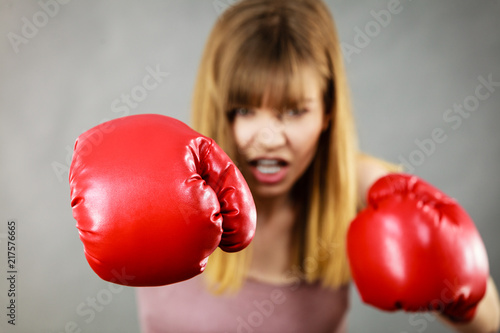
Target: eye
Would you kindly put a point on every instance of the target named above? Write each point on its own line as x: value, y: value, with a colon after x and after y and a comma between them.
x: 295, y: 112
x: 242, y: 112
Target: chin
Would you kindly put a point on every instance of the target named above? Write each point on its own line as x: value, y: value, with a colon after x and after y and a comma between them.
x: 270, y: 191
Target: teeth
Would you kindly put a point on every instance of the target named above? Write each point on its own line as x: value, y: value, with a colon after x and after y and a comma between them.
x: 267, y: 162
x: 268, y: 169
x: 268, y: 166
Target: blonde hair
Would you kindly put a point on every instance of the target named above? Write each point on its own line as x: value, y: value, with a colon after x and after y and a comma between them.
x: 258, y: 46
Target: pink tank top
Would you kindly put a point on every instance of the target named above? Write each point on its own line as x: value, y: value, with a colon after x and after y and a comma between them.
x: 257, y: 307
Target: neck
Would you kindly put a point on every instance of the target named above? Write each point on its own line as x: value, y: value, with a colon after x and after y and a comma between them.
x: 268, y: 208
x: 273, y: 239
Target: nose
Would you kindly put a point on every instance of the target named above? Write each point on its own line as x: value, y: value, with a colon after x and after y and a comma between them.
x: 271, y: 134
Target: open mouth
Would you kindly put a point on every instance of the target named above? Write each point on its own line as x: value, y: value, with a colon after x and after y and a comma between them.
x: 268, y: 166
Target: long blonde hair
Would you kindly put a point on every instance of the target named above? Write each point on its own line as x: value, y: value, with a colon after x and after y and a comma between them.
x: 260, y: 46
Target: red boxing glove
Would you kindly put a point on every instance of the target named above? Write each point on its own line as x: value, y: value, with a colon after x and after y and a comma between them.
x: 414, y: 248
x: 153, y: 199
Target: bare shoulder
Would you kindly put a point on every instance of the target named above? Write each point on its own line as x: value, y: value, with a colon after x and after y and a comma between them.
x: 369, y: 170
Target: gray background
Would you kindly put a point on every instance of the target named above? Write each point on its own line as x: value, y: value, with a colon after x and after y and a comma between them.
x: 65, y: 77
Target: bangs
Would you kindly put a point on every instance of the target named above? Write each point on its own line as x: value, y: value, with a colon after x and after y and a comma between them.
x: 266, y: 75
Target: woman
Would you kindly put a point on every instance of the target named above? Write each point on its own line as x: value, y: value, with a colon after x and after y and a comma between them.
x: 271, y: 90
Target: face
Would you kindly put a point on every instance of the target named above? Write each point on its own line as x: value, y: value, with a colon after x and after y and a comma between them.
x: 277, y: 146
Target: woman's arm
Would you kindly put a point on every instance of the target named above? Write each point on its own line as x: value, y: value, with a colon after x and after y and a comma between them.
x: 369, y: 170
x: 487, y: 318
